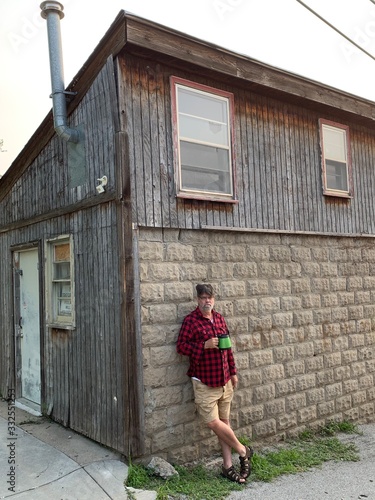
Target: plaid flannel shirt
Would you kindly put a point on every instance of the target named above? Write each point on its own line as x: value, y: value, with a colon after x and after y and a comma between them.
x: 213, y: 367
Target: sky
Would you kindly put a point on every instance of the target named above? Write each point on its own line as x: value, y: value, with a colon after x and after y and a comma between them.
x: 281, y: 33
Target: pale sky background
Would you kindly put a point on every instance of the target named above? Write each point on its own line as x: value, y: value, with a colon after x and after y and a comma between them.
x: 281, y: 33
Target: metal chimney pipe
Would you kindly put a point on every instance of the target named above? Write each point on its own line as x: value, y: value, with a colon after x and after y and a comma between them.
x: 52, y: 11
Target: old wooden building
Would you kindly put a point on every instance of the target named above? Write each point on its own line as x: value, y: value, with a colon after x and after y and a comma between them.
x: 193, y: 164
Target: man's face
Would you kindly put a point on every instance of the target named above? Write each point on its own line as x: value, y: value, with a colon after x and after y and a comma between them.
x: 206, y: 303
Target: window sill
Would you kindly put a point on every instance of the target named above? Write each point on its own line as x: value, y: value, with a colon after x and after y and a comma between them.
x: 61, y: 326
x: 337, y: 194
x: 202, y: 197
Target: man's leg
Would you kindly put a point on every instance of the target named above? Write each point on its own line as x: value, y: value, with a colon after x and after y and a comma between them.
x: 226, y: 436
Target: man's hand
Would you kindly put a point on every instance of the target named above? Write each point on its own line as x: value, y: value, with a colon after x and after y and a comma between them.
x: 234, y: 380
x: 212, y: 343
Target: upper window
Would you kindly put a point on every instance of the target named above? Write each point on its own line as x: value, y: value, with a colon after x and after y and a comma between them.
x: 203, y: 130
x: 336, y: 159
x: 60, y: 290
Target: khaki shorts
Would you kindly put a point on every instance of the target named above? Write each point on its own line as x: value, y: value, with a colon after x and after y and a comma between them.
x: 212, y: 402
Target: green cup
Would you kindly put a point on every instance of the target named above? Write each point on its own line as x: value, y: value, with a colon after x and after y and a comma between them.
x: 224, y: 342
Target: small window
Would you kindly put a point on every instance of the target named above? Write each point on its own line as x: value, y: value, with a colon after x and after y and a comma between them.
x: 60, y: 289
x: 335, y: 159
x: 203, y: 130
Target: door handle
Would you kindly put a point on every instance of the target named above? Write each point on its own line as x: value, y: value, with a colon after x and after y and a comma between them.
x: 20, y: 322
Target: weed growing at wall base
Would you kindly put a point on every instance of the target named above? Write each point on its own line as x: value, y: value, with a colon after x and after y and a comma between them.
x: 199, y: 482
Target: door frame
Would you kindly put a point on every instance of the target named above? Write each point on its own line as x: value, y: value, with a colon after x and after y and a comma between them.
x: 32, y: 245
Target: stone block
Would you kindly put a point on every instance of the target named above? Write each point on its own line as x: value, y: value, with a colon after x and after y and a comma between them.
x: 179, y: 252
x: 172, y: 437
x: 283, y: 353
x: 233, y: 289
x: 209, y: 253
x: 152, y: 292
x: 269, y: 270
x: 326, y: 408
x: 355, y: 312
x: 264, y: 393
x: 280, y: 254
x: 354, y: 283
x: 366, y: 382
x: 163, y: 313
x: 284, y: 387
x: 294, y: 368
x: 264, y: 428
x: 290, y: 303
x: 294, y: 335
x: 304, y: 350
x: 366, y: 412
x: 340, y: 314
x: 258, y: 253
x: 305, y: 382
x: 323, y: 315
x: 260, y: 324
x: 349, y: 386
x: 164, y: 271
x: 342, y: 373
x: 314, y: 396
x: 333, y: 391
x: 362, y: 297
x: 313, y: 332
x: 348, y: 327
x: 359, y: 398
x: 301, y: 285
x: 320, y: 285
x: 221, y: 271
x: 251, y: 414
x: 325, y: 377
x: 294, y: 402
x: 340, y: 343
x: 343, y: 403
x: 257, y: 287
x: 272, y: 338
x: 337, y: 284
x: 328, y: 269
x: 275, y: 407
x: 351, y: 415
x: 314, y: 364
x: 332, y: 359
x: 151, y: 250
x: 282, y: 319
x: 358, y: 369
x: 292, y: 270
x: 286, y: 421
x: 306, y: 414
x: 260, y: 358
x: 178, y: 291
x: 329, y: 300
x: 301, y: 318
x: 320, y: 254
x: 193, y: 272
x: 310, y: 269
x: 250, y: 378
x: 245, y: 270
x: 165, y: 355
x: 272, y: 373
x: 234, y: 253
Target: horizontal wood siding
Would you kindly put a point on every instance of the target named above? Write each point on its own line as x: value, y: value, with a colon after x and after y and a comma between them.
x: 278, y: 164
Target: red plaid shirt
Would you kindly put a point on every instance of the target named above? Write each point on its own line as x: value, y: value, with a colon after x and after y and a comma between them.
x: 213, y: 367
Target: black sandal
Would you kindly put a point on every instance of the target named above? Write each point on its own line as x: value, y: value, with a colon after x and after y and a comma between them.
x: 245, y: 463
x: 232, y: 475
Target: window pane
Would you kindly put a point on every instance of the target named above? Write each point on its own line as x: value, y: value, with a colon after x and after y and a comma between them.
x: 337, y: 177
x: 62, y: 252
x: 204, y: 105
x: 334, y: 144
x: 192, y: 127
x: 205, y: 157
x: 205, y: 168
x: 61, y: 271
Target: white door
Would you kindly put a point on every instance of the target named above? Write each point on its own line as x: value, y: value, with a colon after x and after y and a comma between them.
x: 27, y: 263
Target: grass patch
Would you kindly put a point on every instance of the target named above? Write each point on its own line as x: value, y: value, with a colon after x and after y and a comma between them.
x: 311, y: 449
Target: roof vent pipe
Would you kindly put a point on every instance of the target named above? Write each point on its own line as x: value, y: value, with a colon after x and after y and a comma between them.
x: 53, y: 11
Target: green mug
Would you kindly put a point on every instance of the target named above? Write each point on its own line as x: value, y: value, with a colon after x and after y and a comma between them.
x: 224, y: 342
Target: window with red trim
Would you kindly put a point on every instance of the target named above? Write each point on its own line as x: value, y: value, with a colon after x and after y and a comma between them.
x: 203, y: 141
x: 336, y: 164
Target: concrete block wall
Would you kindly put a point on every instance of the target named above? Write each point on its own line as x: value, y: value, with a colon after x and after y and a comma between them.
x: 301, y: 311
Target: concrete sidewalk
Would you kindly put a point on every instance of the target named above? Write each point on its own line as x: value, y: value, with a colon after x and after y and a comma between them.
x: 42, y: 460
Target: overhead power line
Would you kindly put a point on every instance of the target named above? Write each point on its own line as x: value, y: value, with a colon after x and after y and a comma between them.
x: 337, y: 30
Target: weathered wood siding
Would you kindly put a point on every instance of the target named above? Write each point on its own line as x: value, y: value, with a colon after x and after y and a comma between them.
x: 278, y: 165
x: 84, y: 372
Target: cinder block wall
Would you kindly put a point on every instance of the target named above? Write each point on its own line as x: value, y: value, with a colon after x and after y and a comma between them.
x: 301, y: 311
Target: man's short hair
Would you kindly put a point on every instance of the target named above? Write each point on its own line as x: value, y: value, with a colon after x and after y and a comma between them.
x: 204, y: 288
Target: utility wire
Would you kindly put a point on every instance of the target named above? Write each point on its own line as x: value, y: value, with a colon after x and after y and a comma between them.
x: 338, y: 31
